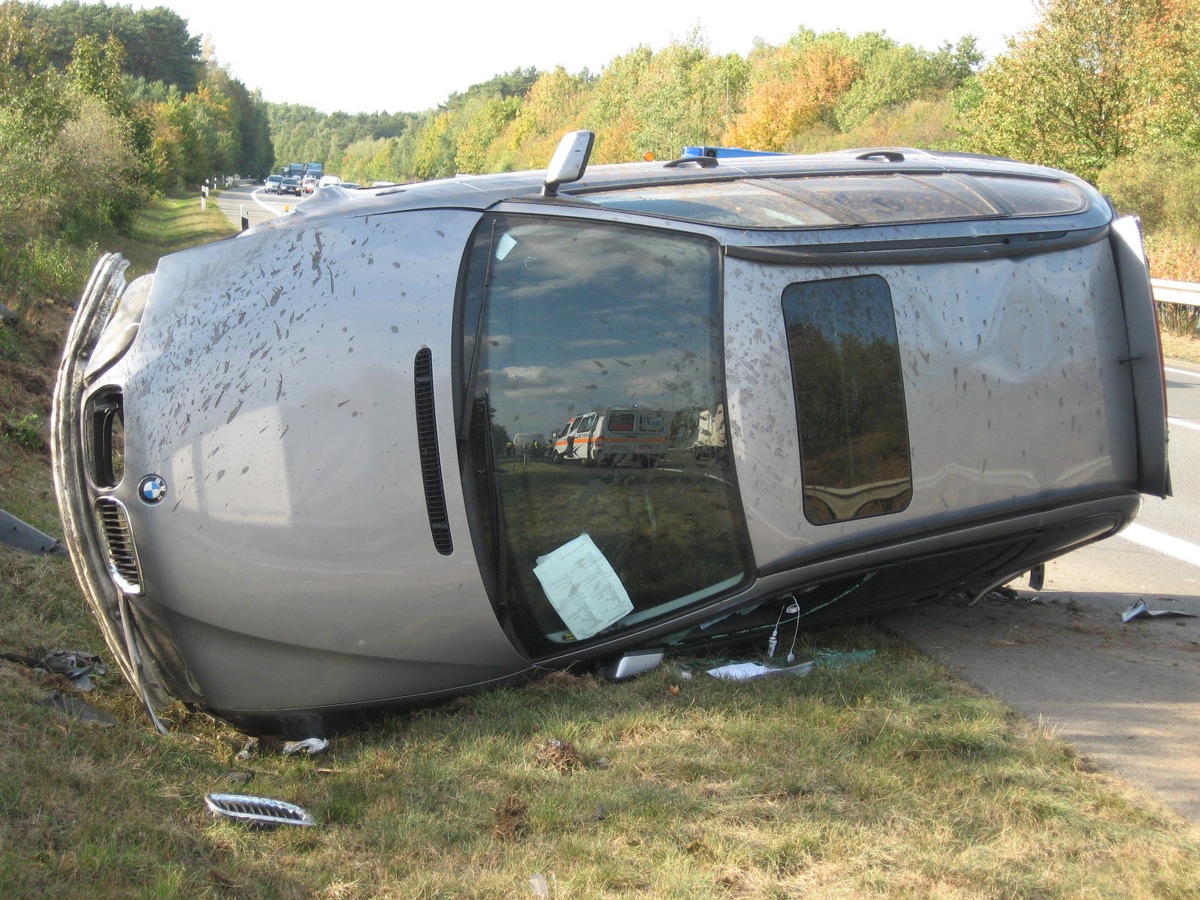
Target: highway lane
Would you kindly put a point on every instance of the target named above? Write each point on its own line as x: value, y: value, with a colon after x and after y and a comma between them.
x: 254, y: 202
x: 1183, y: 394
x: 1172, y: 526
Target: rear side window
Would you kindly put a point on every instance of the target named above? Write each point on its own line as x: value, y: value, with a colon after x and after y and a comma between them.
x: 849, y: 389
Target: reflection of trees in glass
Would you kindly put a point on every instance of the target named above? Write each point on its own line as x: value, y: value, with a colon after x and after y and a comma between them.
x: 666, y: 533
x: 849, y: 395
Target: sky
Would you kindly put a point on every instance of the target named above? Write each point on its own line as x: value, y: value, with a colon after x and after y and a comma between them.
x: 375, y: 56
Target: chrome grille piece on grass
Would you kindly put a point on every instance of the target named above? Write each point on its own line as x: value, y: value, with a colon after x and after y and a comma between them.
x: 262, y: 812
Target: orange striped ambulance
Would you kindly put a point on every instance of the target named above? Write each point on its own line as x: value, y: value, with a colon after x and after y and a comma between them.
x: 614, y: 436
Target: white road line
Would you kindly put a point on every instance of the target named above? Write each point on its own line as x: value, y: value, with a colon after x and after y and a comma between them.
x: 1190, y: 372
x: 1163, y: 543
x: 257, y: 199
x: 1184, y: 423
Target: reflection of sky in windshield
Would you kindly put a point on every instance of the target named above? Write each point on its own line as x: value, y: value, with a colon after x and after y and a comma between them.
x: 581, y: 317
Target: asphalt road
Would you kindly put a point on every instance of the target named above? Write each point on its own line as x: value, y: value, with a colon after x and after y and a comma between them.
x: 248, y: 199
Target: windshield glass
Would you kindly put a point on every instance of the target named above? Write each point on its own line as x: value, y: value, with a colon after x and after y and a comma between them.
x: 594, y: 427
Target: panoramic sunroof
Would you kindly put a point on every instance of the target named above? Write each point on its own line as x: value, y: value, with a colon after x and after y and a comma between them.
x: 816, y: 201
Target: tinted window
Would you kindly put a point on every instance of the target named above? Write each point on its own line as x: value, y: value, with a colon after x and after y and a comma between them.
x: 849, y: 390
x: 600, y: 322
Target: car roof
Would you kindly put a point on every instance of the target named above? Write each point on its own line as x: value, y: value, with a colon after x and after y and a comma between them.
x: 616, y: 186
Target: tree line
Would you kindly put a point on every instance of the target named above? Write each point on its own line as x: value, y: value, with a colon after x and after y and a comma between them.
x: 102, y: 106
x: 1107, y: 89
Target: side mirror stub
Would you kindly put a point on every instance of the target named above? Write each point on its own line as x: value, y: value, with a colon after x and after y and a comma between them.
x: 569, y: 162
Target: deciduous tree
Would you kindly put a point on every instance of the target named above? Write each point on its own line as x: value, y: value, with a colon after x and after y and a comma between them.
x: 1093, y: 81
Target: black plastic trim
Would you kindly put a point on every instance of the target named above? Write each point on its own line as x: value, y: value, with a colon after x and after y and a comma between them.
x: 431, y: 462
x: 922, y: 249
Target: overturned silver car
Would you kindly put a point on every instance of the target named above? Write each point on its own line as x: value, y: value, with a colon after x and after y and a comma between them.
x: 285, y: 461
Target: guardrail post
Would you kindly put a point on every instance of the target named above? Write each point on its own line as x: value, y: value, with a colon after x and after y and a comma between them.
x: 245, y: 217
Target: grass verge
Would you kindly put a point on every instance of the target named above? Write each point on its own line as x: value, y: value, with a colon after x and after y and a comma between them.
x: 169, y: 224
x: 889, y: 778
x: 885, y: 779
x: 1184, y: 349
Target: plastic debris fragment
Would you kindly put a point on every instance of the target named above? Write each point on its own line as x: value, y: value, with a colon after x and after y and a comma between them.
x: 248, y: 749
x: 78, y: 710
x: 1141, y: 610
x: 746, y: 671
x: 76, y: 665
x: 310, y: 746
x: 833, y: 659
x: 23, y: 536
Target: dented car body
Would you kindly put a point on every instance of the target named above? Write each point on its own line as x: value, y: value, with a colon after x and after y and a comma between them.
x: 280, y: 458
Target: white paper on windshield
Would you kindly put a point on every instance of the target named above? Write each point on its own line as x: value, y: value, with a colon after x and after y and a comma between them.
x: 583, y: 587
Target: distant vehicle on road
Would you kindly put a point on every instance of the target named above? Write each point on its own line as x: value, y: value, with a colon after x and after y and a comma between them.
x: 309, y: 184
x: 273, y: 184
x: 291, y: 185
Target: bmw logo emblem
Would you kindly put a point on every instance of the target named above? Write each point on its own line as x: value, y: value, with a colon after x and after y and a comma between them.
x: 152, y: 489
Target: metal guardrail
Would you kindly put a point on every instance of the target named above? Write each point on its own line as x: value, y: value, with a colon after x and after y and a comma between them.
x: 849, y: 503
x: 1184, y: 293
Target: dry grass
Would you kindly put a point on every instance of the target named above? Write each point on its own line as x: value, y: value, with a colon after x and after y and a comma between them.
x: 887, y: 779
x: 1184, y: 349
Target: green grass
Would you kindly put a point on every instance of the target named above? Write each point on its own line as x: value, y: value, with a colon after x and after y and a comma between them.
x: 887, y: 779
x: 166, y: 225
